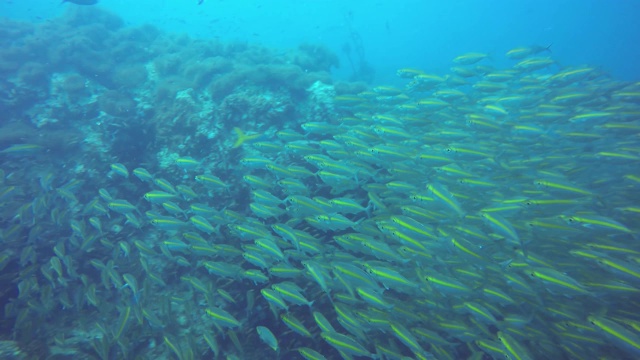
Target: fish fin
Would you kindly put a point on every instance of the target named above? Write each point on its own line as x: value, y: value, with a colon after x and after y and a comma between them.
x: 241, y: 137
x: 368, y: 209
x: 505, y: 264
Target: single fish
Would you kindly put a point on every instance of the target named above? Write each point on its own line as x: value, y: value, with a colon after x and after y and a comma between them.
x: 265, y: 334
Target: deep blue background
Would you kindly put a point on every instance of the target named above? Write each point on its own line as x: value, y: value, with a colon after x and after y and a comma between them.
x: 403, y: 33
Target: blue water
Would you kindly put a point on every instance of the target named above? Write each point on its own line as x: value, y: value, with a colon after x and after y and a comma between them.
x: 395, y: 34
x: 439, y: 180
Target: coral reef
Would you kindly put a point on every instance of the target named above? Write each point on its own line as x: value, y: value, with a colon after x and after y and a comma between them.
x: 83, y: 91
x: 164, y: 197
x: 313, y: 57
x: 321, y: 101
x: 33, y: 74
x: 345, y: 88
x: 74, y: 85
x: 129, y: 76
x: 202, y: 72
x: 253, y: 106
x: 117, y: 103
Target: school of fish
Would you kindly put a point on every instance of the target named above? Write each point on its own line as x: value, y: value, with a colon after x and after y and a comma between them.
x: 481, y: 214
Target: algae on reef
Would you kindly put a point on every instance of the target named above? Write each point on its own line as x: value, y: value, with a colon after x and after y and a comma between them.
x: 86, y: 91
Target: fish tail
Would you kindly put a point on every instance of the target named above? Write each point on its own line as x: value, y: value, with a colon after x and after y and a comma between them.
x: 368, y: 209
x: 241, y: 138
x: 331, y: 300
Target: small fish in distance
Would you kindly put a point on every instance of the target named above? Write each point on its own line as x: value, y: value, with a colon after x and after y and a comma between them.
x: 81, y: 2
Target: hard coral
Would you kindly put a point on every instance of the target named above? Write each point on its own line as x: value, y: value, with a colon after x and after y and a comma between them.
x: 129, y: 76
x: 236, y: 47
x: 33, y: 74
x: 143, y: 34
x: 14, y: 132
x: 59, y: 141
x: 167, y: 64
x: 315, y: 58
x: 229, y: 82
x: 13, y: 29
x: 321, y: 98
x: 11, y: 57
x: 344, y: 88
x: 256, y: 105
x: 198, y: 50
x: 124, y: 52
x: 86, y: 15
x: 69, y: 51
x: 276, y: 76
x: 52, y: 140
x: 97, y: 33
x: 74, y: 85
x: 203, y: 71
x: 167, y: 88
x: 116, y: 103
x: 273, y: 77
x: 94, y: 65
x: 252, y: 55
